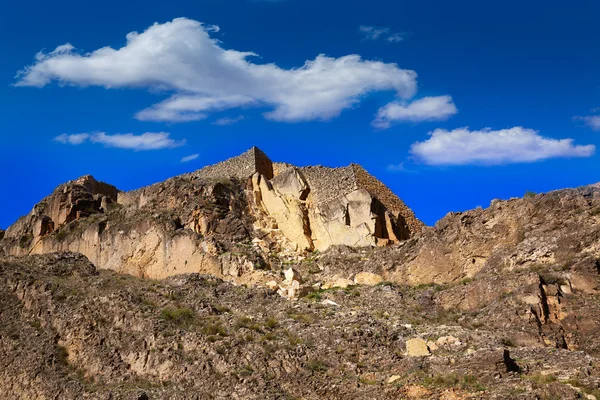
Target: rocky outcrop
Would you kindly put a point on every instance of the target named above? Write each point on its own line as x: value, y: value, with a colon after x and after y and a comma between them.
x: 70, y: 331
x: 227, y: 219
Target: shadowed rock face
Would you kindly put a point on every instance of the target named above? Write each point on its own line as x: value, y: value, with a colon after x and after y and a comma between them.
x: 226, y: 219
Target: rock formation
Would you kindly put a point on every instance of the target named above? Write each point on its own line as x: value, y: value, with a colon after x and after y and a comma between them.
x: 203, y: 221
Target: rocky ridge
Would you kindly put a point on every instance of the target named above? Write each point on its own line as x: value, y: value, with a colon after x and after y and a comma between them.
x: 228, y: 220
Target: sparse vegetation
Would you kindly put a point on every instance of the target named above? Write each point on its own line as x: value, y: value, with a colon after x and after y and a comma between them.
x: 541, y: 379
x: 316, y: 365
x: 178, y: 315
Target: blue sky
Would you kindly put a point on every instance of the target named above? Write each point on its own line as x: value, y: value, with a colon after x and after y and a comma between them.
x: 451, y: 104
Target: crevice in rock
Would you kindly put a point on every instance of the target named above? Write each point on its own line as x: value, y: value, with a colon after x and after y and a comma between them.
x: 544, y: 301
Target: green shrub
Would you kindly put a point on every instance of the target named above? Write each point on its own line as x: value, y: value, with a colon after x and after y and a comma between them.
x: 317, y: 365
x: 179, y: 316
x: 214, y: 329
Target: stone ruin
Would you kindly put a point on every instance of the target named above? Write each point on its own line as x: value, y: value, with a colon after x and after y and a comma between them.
x: 318, y: 207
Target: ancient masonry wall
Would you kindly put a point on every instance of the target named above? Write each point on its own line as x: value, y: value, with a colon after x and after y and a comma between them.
x: 280, y: 166
x: 382, y: 193
x: 240, y: 167
x: 328, y: 183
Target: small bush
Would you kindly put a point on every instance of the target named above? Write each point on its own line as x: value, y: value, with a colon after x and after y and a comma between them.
x: 317, y: 365
x: 61, y: 235
x: 529, y: 194
x: 179, y: 316
x: 542, y: 379
x: 215, y: 329
x: 314, y: 296
x: 271, y: 323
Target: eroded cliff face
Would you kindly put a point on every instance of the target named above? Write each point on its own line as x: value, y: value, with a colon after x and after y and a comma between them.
x: 231, y: 220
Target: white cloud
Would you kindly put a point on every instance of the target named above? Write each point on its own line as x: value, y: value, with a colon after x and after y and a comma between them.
x: 180, y: 57
x: 145, y: 141
x: 396, y: 167
x: 77, y: 138
x: 375, y: 33
x: 189, y: 158
x: 228, y: 120
x: 515, y: 145
x: 592, y: 121
x: 425, y: 109
x: 184, y: 108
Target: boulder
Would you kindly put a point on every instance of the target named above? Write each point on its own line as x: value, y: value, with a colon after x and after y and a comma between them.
x: 417, y: 347
x: 368, y: 278
x: 290, y: 183
x: 289, y: 212
x: 448, y: 341
x: 292, y: 275
x: 340, y: 282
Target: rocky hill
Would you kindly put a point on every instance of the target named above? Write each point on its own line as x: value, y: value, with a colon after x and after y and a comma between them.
x: 238, y: 219
x: 253, y: 279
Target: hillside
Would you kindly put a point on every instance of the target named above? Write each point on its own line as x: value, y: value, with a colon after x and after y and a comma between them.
x: 252, y: 279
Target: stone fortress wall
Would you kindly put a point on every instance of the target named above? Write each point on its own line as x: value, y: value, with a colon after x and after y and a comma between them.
x: 240, y: 167
x: 328, y: 183
x: 377, y: 189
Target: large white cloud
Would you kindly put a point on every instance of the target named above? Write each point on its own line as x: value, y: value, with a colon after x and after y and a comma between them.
x: 515, y: 145
x: 145, y: 141
x: 436, y: 108
x: 203, y: 77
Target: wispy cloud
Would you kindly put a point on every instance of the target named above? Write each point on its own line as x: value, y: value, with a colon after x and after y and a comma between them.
x: 380, y: 33
x: 145, y: 141
x: 189, y: 158
x: 76, y: 138
x: 203, y: 77
x: 493, y: 147
x: 592, y: 121
x: 228, y: 120
x: 400, y: 167
x: 436, y: 108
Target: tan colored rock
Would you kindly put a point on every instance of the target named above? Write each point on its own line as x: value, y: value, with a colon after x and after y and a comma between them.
x: 393, y: 378
x: 566, y: 289
x: 416, y: 392
x: 290, y: 183
x: 417, y: 347
x: 531, y: 299
x: 342, y: 283
x: 292, y: 275
x: 448, y: 341
x: 272, y: 285
x: 432, y: 346
x: 289, y: 213
x: 367, y: 278
x: 346, y: 220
